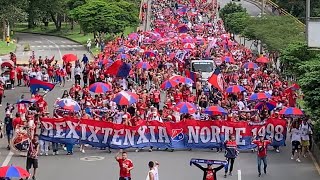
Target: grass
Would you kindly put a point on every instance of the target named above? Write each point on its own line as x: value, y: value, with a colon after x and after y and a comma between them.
x: 4, y: 49
x: 64, y: 32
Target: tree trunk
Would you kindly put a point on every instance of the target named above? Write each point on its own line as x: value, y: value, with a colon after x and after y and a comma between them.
x: 56, y: 18
x: 72, y: 24
x: 4, y: 24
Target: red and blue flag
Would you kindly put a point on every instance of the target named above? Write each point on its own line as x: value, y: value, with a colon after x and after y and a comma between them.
x: 119, y: 69
x: 216, y: 79
x: 36, y: 84
x: 192, y: 75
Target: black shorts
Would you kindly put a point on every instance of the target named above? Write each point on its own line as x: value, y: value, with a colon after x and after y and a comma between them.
x: 124, y: 178
x: 32, y: 163
x: 296, y: 145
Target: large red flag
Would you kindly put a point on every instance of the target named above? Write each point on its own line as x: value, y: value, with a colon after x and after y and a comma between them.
x: 216, y: 80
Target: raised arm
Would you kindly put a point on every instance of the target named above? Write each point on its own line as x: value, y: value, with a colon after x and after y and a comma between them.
x: 118, y: 155
x: 219, y: 168
x: 199, y: 166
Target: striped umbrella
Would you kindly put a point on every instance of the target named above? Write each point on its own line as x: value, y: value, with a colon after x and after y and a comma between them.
x: 250, y: 65
x: 143, y: 65
x: 133, y: 36
x: 68, y: 104
x: 125, y: 98
x: 169, y: 84
x: 123, y: 56
x: 185, y: 108
x: 13, y: 172
x: 291, y: 111
x: 99, y: 87
x: 235, y: 89
x: 270, y: 105
x: 215, y: 110
x: 259, y: 96
x: 228, y: 59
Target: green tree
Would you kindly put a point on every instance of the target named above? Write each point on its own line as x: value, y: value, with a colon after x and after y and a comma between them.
x: 11, y: 11
x: 101, y: 16
x: 294, y: 56
x: 236, y: 22
x: 310, y: 84
x: 230, y: 8
x: 277, y: 32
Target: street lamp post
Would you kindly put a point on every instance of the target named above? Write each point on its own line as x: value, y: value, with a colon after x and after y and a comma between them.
x: 307, y: 16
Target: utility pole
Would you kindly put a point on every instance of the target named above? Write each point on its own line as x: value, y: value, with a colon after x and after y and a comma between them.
x: 307, y: 16
x: 262, y: 8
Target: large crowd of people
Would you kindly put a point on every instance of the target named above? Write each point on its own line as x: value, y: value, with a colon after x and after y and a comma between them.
x: 204, y: 38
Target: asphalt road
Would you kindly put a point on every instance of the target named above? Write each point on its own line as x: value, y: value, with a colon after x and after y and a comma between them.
x: 45, y: 46
x: 173, y: 165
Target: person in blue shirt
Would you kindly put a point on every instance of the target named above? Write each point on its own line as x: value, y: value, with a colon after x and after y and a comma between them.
x: 85, y: 59
x: 8, y: 128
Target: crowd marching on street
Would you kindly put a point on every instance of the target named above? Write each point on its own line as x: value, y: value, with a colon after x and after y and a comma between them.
x: 156, y: 69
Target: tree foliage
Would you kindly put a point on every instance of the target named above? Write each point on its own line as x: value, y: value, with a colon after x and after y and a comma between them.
x: 107, y: 17
x: 298, y: 7
x: 229, y: 9
x: 13, y: 10
x: 236, y: 22
x: 277, y: 32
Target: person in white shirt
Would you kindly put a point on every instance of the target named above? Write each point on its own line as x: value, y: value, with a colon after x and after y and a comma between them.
x: 153, y: 173
x: 305, y: 140
x: 241, y: 105
x: 295, y: 140
x: 197, y: 115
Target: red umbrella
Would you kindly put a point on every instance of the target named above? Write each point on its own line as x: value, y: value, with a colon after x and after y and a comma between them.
x: 8, y: 64
x: 262, y: 60
x: 69, y: 58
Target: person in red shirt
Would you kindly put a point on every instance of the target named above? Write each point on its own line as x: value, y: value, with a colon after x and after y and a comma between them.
x: 1, y: 92
x: 43, y: 105
x: 125, y: 165
x: 262, y: 146
x: 17, y: 121
x: 156, y: 98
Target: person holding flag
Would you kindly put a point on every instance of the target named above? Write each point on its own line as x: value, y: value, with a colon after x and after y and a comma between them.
x: 209, y: 173
x: 231, y: 153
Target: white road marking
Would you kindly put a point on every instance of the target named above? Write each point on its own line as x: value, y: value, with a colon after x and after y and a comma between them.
x: 32, y: 46
x: 44, y: 46
x: 63, y: 42
x: 38, y: 42
x: 8, y: 158
x: 315, y: 163
x: 239, y: 174
x: 62, y: 45
x: 38, y: 46
x: 55, y: 45
x: 69, y: 45
x: 50, y: 46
